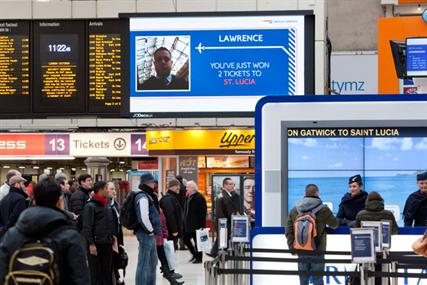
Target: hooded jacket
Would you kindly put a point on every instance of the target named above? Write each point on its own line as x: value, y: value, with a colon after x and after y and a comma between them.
x: 350, y: 206
x: 36, y: 221
x: 324, y: 217
x: 374, y: 211
x: 415, y: 211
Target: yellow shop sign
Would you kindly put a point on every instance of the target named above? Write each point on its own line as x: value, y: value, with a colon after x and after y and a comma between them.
x: 201, y: 140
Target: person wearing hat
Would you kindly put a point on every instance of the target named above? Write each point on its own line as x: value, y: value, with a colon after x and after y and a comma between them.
x: 173, y: 211
x: 13, y: 204
x: 150, y: 227
x: 415, y: 211
x: 4, y: 189
x: 352, y: 202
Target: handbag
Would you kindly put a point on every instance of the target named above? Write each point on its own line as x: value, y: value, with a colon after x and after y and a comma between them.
x: 420, y: 246
x: 170, y: 253
x: 202, y: 240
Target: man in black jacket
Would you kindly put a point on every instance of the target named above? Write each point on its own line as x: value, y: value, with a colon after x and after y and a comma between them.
x: 173, y: 211
x: 45, y: 217
x: 13, y: 204
x: 98, y: 231
x: 415, y: 211
x: 182, y: 198
x: 79, y: 198
x: 227, y: 205
x: 164, y: 79
x: 194, y: 219
x: 352, y: 202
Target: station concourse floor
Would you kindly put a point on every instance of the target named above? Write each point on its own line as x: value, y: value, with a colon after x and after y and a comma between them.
x: 193, y: 274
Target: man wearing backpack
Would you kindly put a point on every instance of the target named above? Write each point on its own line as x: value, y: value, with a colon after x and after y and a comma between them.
x: 149, y: 225
x: 306, y: 232
x: 47, y: 223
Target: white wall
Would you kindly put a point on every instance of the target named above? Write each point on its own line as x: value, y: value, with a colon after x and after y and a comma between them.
x: 354, y: 73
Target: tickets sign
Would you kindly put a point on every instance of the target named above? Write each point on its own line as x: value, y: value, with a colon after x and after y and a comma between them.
x: 73, y: 144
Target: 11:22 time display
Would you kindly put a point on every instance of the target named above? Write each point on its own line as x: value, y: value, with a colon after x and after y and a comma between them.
x: 59, y: 48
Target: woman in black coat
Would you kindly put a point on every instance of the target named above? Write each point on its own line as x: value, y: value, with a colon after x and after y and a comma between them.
x: 194, y: 218
x: 352, y: 202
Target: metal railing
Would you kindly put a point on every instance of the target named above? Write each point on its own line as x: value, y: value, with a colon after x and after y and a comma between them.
x: 234, y: 266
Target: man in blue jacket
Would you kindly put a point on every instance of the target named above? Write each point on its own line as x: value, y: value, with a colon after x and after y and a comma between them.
x: 415, y: 211
x: 150, y: 226
x: 13, y: 204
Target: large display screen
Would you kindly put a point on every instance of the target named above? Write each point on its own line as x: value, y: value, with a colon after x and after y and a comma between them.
x: 416, y: 56
x: 388, y: 159
x: 14, y: 67
x: 104, y: 58
x: 59, y: 67
x: 217, y: 63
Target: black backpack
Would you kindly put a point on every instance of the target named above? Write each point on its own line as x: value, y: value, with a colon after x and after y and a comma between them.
x: 36, y: 262
x: 128, y: 216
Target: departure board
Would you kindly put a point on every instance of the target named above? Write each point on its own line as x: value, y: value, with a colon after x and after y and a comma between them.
x: 59, y: 67
x: 14, y: 67
x: 104, y: 66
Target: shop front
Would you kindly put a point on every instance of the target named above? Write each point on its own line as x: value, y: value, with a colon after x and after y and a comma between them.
x: 207, y: 157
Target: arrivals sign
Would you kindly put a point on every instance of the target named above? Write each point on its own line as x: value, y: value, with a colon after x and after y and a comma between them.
x: 73, y: 144
x: 201, y: 141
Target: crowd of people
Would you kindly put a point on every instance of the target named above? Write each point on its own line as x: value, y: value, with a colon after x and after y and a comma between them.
x: 356, y: 206
x: 72, y: 233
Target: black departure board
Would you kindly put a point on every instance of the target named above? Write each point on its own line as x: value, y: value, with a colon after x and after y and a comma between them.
x: 14, y: 67
x: 104, y: 66
x: 59, y: 73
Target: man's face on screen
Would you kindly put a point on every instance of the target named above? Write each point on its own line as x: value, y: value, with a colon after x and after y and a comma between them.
x: 162, y: 63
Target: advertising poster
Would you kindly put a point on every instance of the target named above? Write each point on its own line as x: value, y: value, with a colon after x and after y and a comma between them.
x: 388, y: 159
x: 198, y: 61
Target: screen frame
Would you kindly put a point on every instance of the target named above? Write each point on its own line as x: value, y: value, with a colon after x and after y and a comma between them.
x: 363, y: 231
x: 81, y: 79
x: 309, y: 56
x: 406, y: 58
x: 14, y: 115
x: 245, y: 220
x: 31, y: 114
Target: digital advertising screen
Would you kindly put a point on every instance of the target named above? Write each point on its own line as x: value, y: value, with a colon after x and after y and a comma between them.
x: 416, y: 57
x: 59, y: 67
x: 387, y: 158
x: 14, y: 67
x: 222, y: 63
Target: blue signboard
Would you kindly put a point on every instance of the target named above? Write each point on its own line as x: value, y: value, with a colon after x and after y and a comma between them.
x: 231, y: 63
x: 215, y: 63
